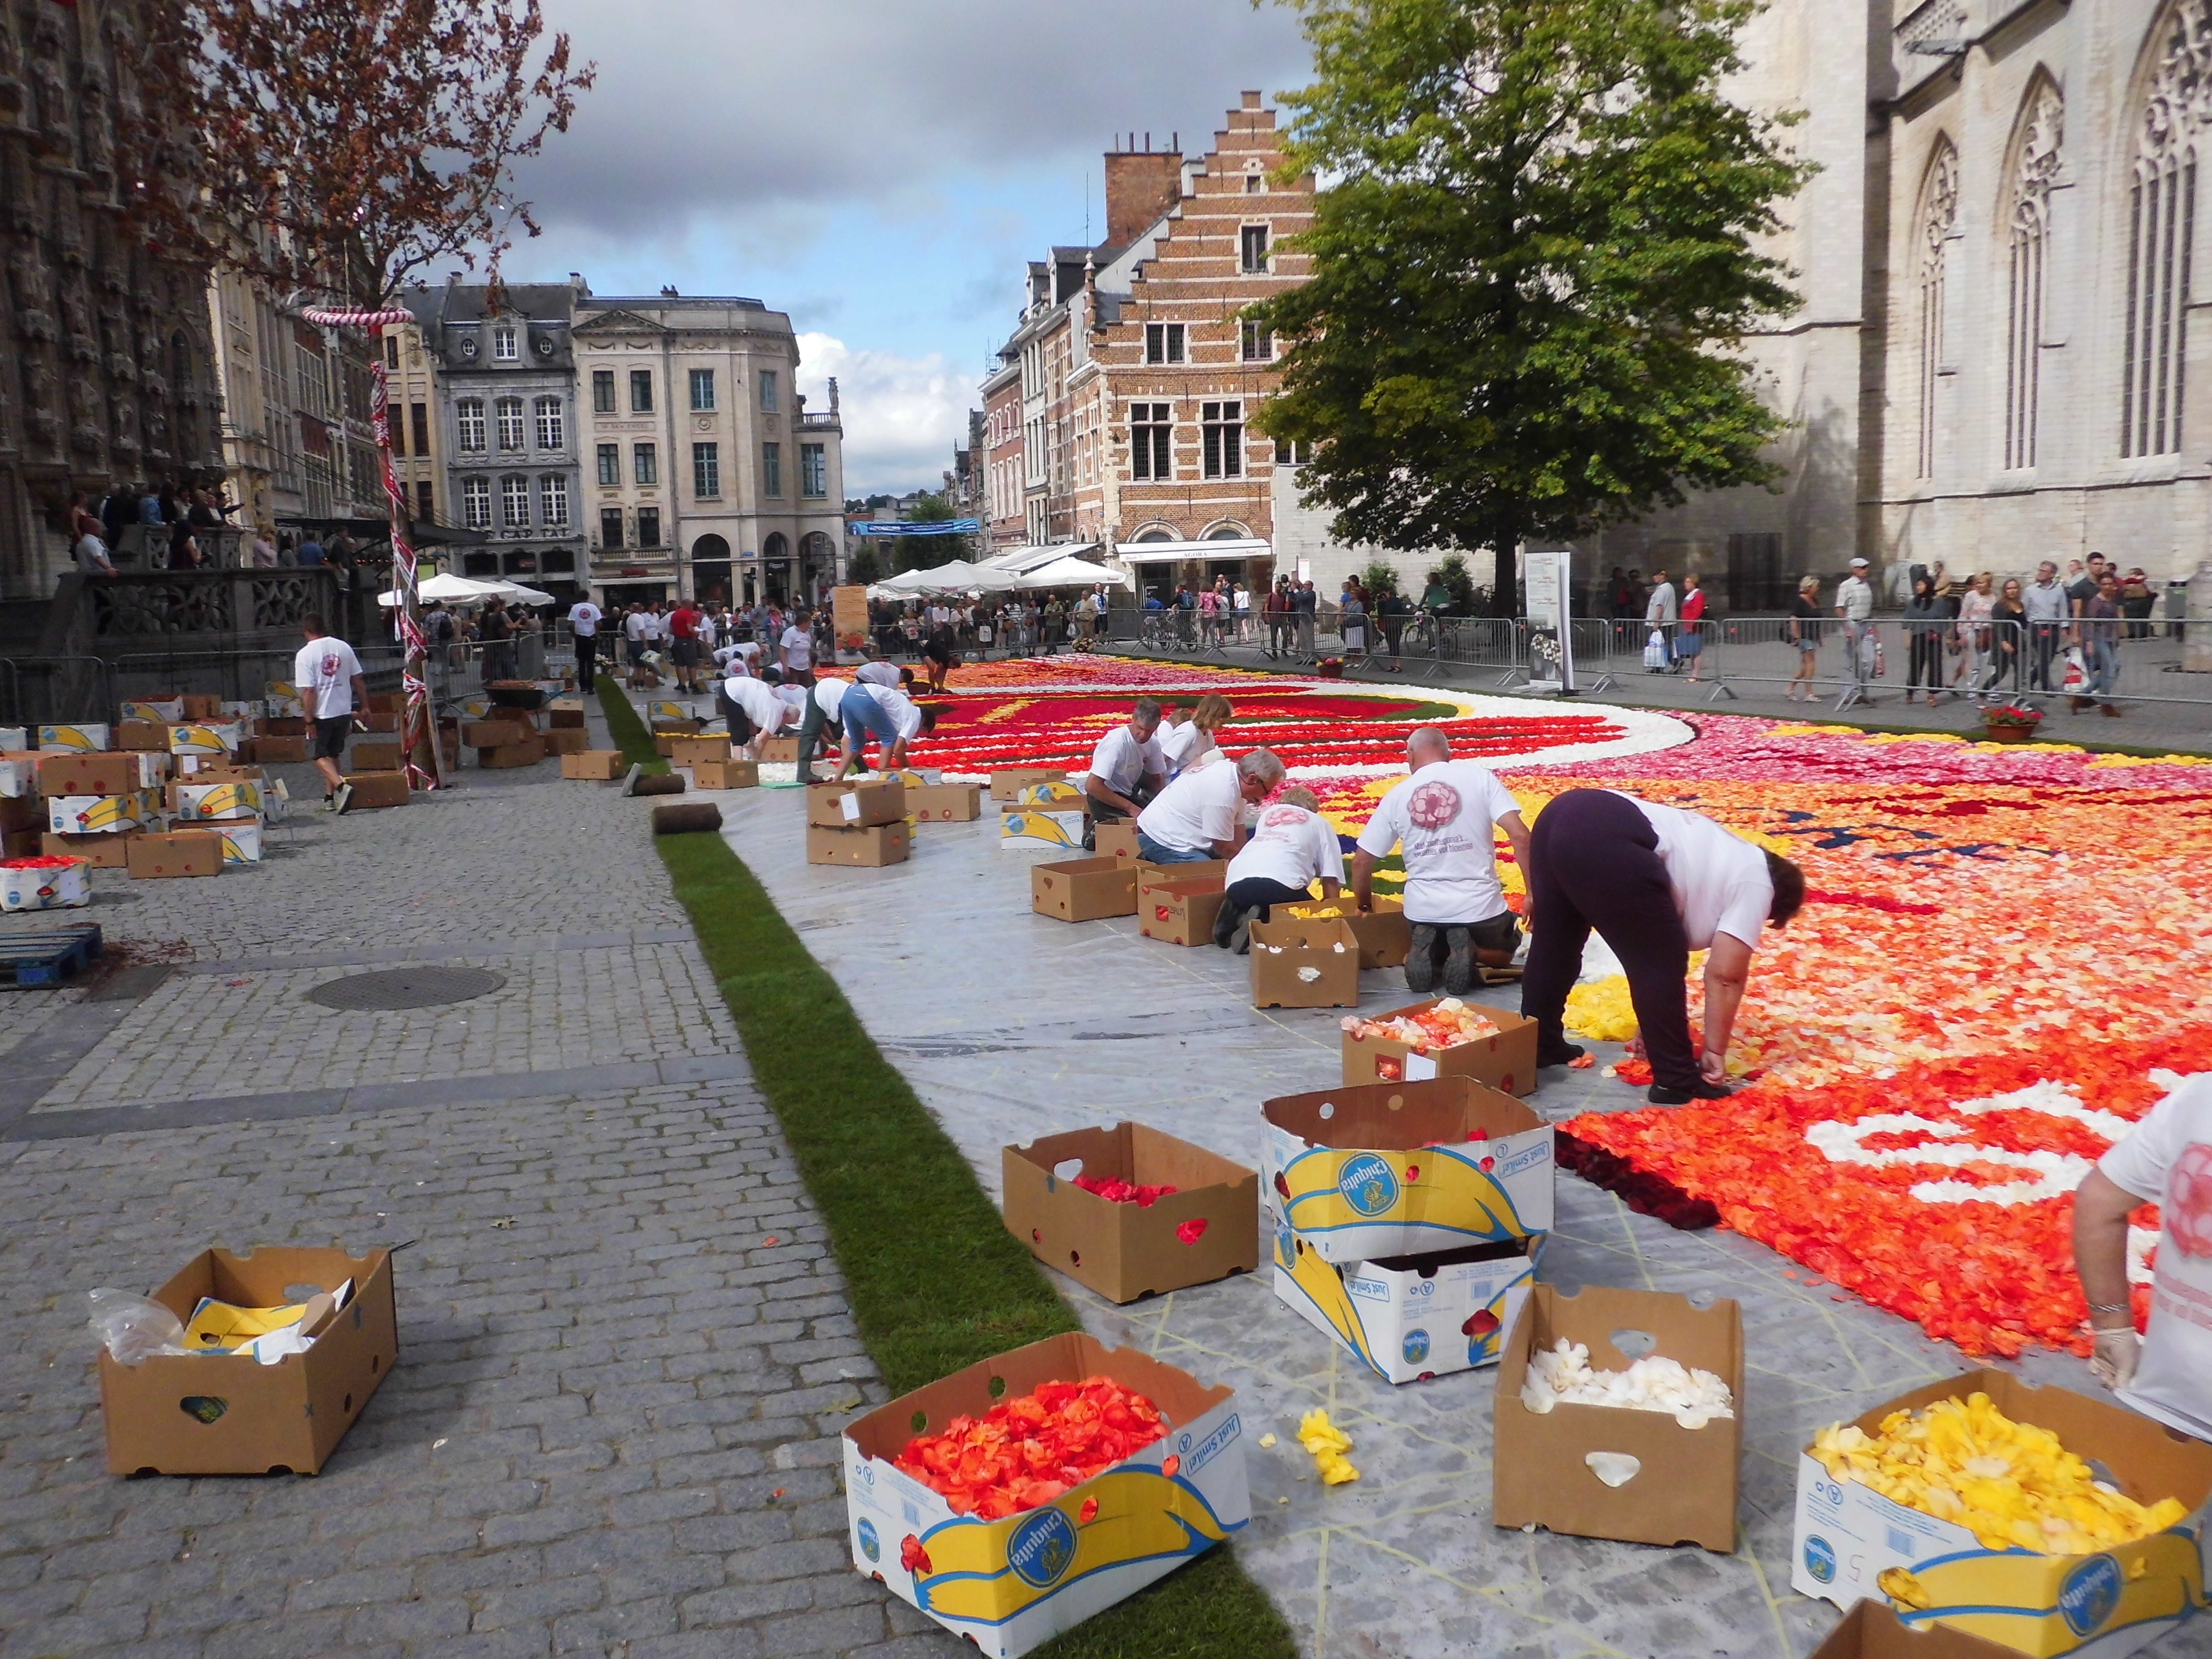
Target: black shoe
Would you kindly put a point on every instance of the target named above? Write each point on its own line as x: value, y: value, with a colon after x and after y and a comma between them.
x: 1459, y: 961
x: 1421, y: 958
x: 1661, y: 1095
x: 1565, y: 1052
x: 1240, y: 942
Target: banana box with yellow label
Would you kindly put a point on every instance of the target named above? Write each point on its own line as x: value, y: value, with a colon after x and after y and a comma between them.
x: 241, y: 838
x: 94, y: 815
x: 154, y: 711
x: 1405, y: 1169
x: 80, y: 739
x: 234, y: 799
x: 1410, y: 1317
x: 1033, y: 829
x: 1850, y: 1542
x: 1010, y: 1586
x: 218, y: 738
x: 282, y: 699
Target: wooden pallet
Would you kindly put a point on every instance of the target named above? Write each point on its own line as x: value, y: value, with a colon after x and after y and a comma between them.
x: 42, y: 961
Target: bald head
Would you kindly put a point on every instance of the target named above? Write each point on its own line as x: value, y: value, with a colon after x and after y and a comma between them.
x: 1426, y: 747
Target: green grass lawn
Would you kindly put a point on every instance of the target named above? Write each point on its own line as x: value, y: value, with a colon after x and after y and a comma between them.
x: 935, y: 1280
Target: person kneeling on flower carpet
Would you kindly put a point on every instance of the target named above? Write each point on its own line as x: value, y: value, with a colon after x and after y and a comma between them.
x: 1445, y: 819
x: 894, y: 718
x: 2166, y: 1160
x: 1127, y: 767
x: 756, y: 711
x: 1657, y: 882
x: 1194, y: 818
x: 1292, y: 847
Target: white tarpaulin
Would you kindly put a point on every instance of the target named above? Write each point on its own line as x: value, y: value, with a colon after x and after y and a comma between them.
x: 1075, y: 573
x: 1021, y: 561
x: 454, y: 589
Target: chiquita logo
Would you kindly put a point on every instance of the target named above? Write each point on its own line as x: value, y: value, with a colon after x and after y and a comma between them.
x: 1368, y: 1184
x: 1820, y: 1559
x: 2090, y: 1595
x: 1041, y: 1549
x: 1417, y: 1346
x: 871, y: 1546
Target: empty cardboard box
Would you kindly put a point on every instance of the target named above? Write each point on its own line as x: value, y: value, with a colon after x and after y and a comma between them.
x: 1115, y: 838
x: 595, y: 765
x: 566, y: 740
x: 854, y: 804
x: 148, y: 736
x: 282, y: 749
x: 1507, y: 1061
x: 1871, y: 1631
x: 1683, y: 1485
x: 725, y: 774
x: 90, y: 815
x: 528, y: 752
x: 1304, y: 965
x: 945, y: 803
x: 1206, y: 1229
x: 227, y: 1414
x: 1179, y: 912
x: 1385, y: 936
x: 492, y: 734
x: 1410, y: 1317
x: 375, y: 754
x: 1084, y: 889
x: 372, y: 789
x: 691, y: 751
x: 870, y: 848
x: 100, y: 852
x: 782, y: 751
x: 114, y: 773
x: 180, y: 853
x: 1031, y: 830
x: 1008, y: 782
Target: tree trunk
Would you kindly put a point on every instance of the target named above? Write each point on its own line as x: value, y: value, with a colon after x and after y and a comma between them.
x: 1505, y: 542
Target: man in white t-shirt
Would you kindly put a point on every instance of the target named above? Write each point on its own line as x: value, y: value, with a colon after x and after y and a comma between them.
x: 1292, y: 847
x: 1195, y: 818
x: 795, y: 651
x: 1126, y: 768
x: 757, y: 713
x: 1855, y: 605
x: 327, y: 676
x: 891, y: 717
x: 1657, y: 882
x: 884, y: 673
x: 2167, y: 1161
x: 638, y: 631
x: 1444, y: 819
x: 583, y: 624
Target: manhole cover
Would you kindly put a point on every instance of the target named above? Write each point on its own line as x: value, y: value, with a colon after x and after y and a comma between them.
x: 407, y: 988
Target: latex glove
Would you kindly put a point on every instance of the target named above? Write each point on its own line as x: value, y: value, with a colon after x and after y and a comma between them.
x: 1712, y: 1067
x: 2114, y: 1362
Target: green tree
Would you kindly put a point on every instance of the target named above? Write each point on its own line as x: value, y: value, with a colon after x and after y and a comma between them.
x: 1380, y: 576
x: 864, y: 565
x: 1532, y: 275
x: 924, y: 552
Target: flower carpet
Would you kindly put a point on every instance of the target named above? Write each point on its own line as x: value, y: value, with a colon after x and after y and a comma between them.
x: 2005, y: 959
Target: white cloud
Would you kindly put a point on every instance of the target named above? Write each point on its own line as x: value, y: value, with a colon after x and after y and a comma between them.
x: 903, y: 415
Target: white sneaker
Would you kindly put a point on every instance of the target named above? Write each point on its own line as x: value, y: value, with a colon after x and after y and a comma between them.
x: 343, y: 799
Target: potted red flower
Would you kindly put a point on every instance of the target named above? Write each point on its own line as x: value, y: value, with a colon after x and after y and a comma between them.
x: 2010, y: 722
x: 1330, y: 668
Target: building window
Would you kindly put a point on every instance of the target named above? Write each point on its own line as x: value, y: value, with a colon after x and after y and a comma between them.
x: 610, y: 526
x: 602, y: 392
x: 813, y: 469
x: 395, y: 427
x: 648, y: 527
x: 1259, y: 342
x: 1254, y: 183
x: 511, y: 435
x: 771, y: 469
x: 470, y: 415
x: 1151, y: 442
x: 767, y: 391
x: 609, y: 465
x: 504, y: 348
x: 2162, y: 220
x: 706, y: 470
x: 476, y: 503
x: 426, y: 502
x: 1297, y: 452
x: 2033, y: 169
x: 552, y: 429
x: 1221, y: 429
x: 514, y: 502
x: 702, y: 388
x: 1939, y: 213
x: 553, y: 499
x: 392, y: 351
x: 1164, y: 342
x: 645, y: 463
x: 1255, y: 259
x: 419, y: 418
x: 640, y: 392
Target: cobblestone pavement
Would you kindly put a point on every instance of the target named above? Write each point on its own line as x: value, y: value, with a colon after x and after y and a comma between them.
x: 625, y: 1352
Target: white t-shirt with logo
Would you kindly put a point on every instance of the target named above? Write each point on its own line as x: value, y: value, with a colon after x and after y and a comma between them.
x: 878, y: 673
x: 2167, y: 1161
x: 1180, y: 745
x: 1120, y: 762
x: 635, y: 625
x: 1197, y: 809
x: 1445, y: 818
x: 738, y: 658
x: 1719, y: 879
x: 324, y: 673
x: 830, y: 698
x: 1291, y: 845
x: 798, y: 648
x: 766, y: 710
x: 584, y: 619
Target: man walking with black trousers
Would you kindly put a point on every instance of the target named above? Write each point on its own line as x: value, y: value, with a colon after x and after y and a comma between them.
x: 584, y: 619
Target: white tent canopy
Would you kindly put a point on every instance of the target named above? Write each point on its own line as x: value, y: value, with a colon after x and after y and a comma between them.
x: 1240, y: 547
x: 1020, y: 560
x: 958, y: 577
x: 466, y: 590
x: 1075, y: 573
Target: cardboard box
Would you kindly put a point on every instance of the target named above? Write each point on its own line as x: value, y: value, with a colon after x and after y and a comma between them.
x: 200, y: 707
x: 99, y: 852
x: 1385, y: 937
x: 1115, y: 838
x: 201, y: 1414
x: 688, y: 752
x: 1506, y: 1061
x: 155, y: 856
x: 870, y: 848
x: 856, y: 804
x: 1009, y: 1585
x: 375, y: 754
x: 19, y: 775
x: 784, y: 751
x: 24, y: 812
x: 496, y: 734
x: 570, y: 740
x: 1404, y: 1169
x: 377, y: 789
x: 152, y: 736
x: 1410, y: 1317
x: 116, y: 773
x: 1153, y: 875
x: 190, y: 802
x: 22, y: 844
x: 84, y: 739
x: 945, y: 803
x: 528, y: 752
x: 238, y: 840
x: 51, y: 888
x: 281, y: 751
x: 726, y: 774
x: 387, y: 702
x: 1684, y: 1490
x: 595, y: 765
x: 94, y: 815
x: 1026, y: 831
x: 206, y: 738
x: 1052, y: 793
x: 16, y: 737
x: 371, y: 720
x: 151, y: 711
x: 1125, y: 1251
x: 1850, y: 1542
x: 1304, y: 965
x: 282, y: 726
x: 1870, y: 1630
x: 566, y: 717
x: 1083, y: 890
x: 1179, y: 912
x: 1008, y: 782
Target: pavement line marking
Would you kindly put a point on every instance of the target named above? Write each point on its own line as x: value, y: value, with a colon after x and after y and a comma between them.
x: 1749, y: 1552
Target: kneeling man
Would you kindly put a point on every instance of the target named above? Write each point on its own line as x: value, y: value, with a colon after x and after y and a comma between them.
x: 1292, y: 847
x: 1194, y: 818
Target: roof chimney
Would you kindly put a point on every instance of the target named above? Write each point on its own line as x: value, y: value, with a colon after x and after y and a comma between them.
x: 1253, y: 100
x: 1140, y: 186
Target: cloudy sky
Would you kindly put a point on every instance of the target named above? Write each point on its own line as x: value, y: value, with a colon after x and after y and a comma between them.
x: 880, y: 169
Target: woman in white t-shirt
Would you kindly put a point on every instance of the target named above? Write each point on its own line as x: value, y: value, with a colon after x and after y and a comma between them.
x: 1292, y: 847
x: 1657, y: 882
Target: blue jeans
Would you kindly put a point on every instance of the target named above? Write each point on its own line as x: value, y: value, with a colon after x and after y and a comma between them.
x: 2102, y: 658
x: 863, y: 715
x: 1152, y: 853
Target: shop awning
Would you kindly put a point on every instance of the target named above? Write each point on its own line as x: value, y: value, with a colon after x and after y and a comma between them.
x: 1242, y: 547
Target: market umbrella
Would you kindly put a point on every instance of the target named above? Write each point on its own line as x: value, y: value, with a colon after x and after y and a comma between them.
x: 454, y: 589
x: 1074, y: 573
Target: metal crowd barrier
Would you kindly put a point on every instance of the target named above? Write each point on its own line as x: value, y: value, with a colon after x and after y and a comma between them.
x: 56, y: 690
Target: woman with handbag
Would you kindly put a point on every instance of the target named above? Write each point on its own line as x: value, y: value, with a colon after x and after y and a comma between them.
x: 1805, y: 634
x: 1690, y: 643
x: 1926, y: 623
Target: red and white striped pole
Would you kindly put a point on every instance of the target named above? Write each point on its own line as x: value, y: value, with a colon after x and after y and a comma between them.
x: 416, y: 727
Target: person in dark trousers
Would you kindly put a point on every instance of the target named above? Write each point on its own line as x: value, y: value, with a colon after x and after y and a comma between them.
x: 1657, y: 882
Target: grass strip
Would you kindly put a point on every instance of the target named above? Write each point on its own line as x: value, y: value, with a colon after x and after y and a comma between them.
x: 935, y: 1280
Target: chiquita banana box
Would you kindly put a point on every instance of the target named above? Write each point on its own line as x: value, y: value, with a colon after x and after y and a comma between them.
x: 1029, y: 830
x: 204, y: 739
x: 241, y: 838
x: 84, y: 739
x: 92, y: 815
x: 282, y: 701
x: 155, y: 711
x: 16, y: 737
x: 2099, y: 1603
x: 1410, y: 1317
x: 1048, y: 795
x: 1011, y: 1584
x: 193, y: 801
x: 1382, y: 1170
